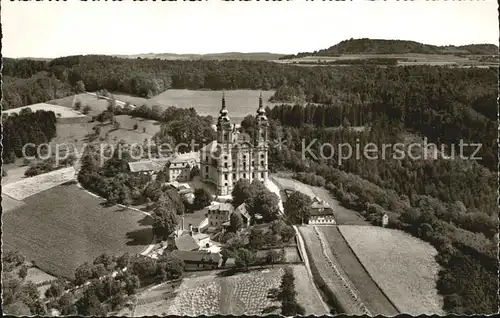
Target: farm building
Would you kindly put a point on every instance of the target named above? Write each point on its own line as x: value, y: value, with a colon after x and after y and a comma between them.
x: 186, y: 242
x: 183, y: 189
x: 151, y: 167
x: 321, y: 212
x: 218, y: 214
x: 198, y: 260
x: 189, y: 240
x: 181, y: 165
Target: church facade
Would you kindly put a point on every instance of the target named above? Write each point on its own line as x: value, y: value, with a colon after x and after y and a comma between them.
x: 235, y: 155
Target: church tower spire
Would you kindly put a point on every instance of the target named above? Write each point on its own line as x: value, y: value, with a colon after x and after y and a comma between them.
x: 223, y: 111
x: 261, y: 112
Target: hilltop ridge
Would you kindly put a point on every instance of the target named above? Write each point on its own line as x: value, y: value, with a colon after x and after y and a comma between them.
x: 381, y: 46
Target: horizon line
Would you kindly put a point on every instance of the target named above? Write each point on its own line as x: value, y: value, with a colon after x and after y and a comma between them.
x: 247, y: 52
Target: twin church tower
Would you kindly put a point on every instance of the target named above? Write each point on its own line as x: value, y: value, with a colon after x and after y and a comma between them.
x: 235, y: 155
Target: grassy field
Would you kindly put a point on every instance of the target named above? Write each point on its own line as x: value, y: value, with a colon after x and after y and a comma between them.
x: 63, y: 227
x: 291, y: 254
x: 127, y: 131
x: 286, y: 183
x: 97, y: 105
x: 368, y: 289
x: 239, y: 102
x: 59, y: 111
x: 403, y: 266
x: 30, y: 186
x: 405, y: 59
x: 9, y: 203
x: 305, y: 295
x: 327, y: 278
x: 14, y: 173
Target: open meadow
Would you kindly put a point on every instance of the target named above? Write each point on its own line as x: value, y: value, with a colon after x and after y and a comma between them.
x: 239, y: 102
x: 63, y: 227
x: 402, y: 265
x: 369, y: 291
x: 97, y: 105
x: 404, y: 59
x: 59, y: 111
x: 27, y: 187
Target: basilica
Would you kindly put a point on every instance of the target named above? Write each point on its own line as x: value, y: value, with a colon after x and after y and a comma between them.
x: 235, y: 155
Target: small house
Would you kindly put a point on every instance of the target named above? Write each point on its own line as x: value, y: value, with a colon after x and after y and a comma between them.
x: 197, y: 260
x: 321, y: 213
x: 180, y: 166
x: 385, y: 220
x: 218, y: 214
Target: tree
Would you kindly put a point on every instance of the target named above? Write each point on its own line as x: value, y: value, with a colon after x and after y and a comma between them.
x: 153, y: 190
x: 17, y: 309
x: 89, y: 305
x: 235, y: 222
x: 55, y: 290
x: 224, y: 252
x: 265, y: 203
x: 78, y: 105
x: 256, y: 239
x: 164, y: 221
x: 243, y: 258
x: 291, y: 309
x: 132, y: 282
x: 123, y: 261
x: 23, y: 272
x: 66, y: 306
x: 287, y: 233
x: 195, y: 171
x: 83, y: 273
x: 80, y: 87
x: 202, y: 198
x: 107, y: 260
x: 173, y: 266
x: 86, y: 109
x: 272, y: 257
x: 242, y: 192
x: 298, y: 207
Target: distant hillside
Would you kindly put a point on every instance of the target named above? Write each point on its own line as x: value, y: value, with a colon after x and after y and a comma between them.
x: 377, y: 46
x: 257, y: 56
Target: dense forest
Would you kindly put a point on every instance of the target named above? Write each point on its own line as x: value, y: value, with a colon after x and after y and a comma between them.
x: 26, y: 127
x: 379, y: 46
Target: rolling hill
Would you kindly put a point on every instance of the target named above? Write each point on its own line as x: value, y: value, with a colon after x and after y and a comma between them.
x: 254, y: 56
x: 379, y: 46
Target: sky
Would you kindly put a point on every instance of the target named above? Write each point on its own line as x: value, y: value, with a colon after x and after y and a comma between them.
x: 53, y: 29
